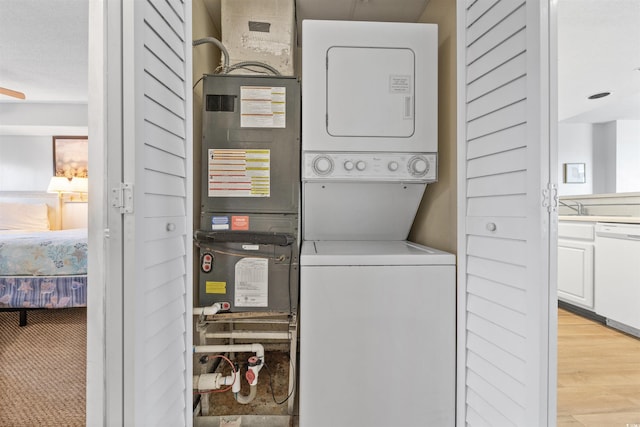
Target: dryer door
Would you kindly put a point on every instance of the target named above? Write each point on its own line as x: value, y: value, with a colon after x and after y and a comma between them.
x: 370, y: 92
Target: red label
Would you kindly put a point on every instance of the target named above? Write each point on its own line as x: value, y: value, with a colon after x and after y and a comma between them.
x: 240, y: 223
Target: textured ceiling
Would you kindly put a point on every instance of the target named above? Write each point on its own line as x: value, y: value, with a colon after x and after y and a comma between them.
x: 43, y: 48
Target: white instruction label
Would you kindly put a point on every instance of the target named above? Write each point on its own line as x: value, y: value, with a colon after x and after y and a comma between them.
x: 252, y: 282
x: 239, y: 173
x: 400, y: 84
x: 263, y: 107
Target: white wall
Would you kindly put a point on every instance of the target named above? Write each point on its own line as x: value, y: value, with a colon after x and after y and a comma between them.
x: 610, y: 151
x: 26, y: 162
x: 604, y: 153
x: 575, y: 145
x: 628, y: 156
x: 26, y: 140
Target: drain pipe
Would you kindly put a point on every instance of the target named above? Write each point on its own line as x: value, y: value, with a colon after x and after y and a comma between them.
x: 216, y: 381
x: 255, y: 364
x: 258, y: 349
x: 207, y: 311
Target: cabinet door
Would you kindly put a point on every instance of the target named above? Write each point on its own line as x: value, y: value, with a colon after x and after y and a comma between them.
x: 575, y: 273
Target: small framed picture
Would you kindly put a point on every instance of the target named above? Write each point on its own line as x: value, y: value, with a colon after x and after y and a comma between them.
x: 574, y: 173
x: 71, y: 156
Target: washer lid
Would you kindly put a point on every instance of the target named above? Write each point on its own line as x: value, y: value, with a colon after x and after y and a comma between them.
x: 396, y: 252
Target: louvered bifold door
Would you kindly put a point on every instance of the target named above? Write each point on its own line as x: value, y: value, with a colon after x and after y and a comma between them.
x: 158, y: 226
x: 503, y: 365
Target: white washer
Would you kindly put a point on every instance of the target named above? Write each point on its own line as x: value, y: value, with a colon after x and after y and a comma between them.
x: 377, y: 334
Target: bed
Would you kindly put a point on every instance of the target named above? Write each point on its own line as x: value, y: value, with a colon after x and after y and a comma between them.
x: 40, y: 268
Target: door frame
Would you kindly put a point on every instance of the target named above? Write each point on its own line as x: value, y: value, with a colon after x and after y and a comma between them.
x: 104, y: 388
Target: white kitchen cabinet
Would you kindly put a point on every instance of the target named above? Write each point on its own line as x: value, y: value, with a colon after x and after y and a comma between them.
x: 576, y: 263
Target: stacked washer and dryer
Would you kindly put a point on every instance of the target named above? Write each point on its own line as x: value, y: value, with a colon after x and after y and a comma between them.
x: 377, y: 312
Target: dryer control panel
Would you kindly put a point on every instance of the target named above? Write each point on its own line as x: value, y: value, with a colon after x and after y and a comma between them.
x: 360, y: 166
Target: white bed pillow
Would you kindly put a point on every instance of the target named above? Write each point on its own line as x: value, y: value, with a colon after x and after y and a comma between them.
x: 24, y: 216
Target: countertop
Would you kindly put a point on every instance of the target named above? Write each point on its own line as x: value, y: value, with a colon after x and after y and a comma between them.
x: 594, y: 218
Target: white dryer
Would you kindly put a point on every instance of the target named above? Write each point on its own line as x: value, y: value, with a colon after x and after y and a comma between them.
x: 377, y: 335
x: 369, y: 127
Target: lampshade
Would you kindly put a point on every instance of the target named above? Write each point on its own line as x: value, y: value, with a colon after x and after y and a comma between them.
x: 80, y: 185
x: 59, y: 184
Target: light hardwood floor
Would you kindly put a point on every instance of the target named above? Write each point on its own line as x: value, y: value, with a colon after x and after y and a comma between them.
x: 598, y: 374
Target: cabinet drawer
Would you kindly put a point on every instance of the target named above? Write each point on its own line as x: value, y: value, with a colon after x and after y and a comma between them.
x: 576, y: 230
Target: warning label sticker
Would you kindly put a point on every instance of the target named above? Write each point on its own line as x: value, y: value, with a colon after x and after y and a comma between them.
x: 239, y: 173
x: 216, y: 287
x: 399, y: 84
x: 220, y: 223
x: 240, y: 222
x: 263, y: 107
x: 252, y: 287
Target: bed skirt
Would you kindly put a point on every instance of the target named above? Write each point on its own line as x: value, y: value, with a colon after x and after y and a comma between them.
x: 43, y: 292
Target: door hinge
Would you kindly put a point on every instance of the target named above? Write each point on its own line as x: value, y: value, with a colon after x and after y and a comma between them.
x: 122, y: 197
x: 550, y: 197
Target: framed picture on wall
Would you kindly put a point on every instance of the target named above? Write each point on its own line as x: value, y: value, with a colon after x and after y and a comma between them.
x: 71, y: 156
x: 574, y: 173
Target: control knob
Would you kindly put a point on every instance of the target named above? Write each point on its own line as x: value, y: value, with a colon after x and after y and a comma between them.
x: 322, y: 165
x: 393, y: 166
x: 361, y: 165
x: 348, y: 165
x: 418, y: 166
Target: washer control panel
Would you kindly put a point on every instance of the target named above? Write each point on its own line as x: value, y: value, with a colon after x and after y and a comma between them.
x: 370, y: 166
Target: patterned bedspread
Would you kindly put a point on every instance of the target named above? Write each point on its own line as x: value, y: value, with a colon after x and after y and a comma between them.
x: 49, y: 253
x: 43, y: 269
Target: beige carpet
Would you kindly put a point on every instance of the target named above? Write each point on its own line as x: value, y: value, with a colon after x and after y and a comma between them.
x: 42, y: 368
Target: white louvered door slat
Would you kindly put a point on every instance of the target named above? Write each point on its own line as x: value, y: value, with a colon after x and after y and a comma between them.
x: 510, y: 93
x: 504, y: 234
x: 483, y: 80
x: 501, y: 19
x: 504, y: 140
x: 157, y: 256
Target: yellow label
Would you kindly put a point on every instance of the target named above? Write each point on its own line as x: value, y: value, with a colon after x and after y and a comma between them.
x: 216, y: 287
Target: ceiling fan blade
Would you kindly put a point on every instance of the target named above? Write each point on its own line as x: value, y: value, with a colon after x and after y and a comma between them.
x: 12, y: 93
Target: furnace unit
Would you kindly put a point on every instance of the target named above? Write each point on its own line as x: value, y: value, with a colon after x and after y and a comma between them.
x: 248, y: 236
